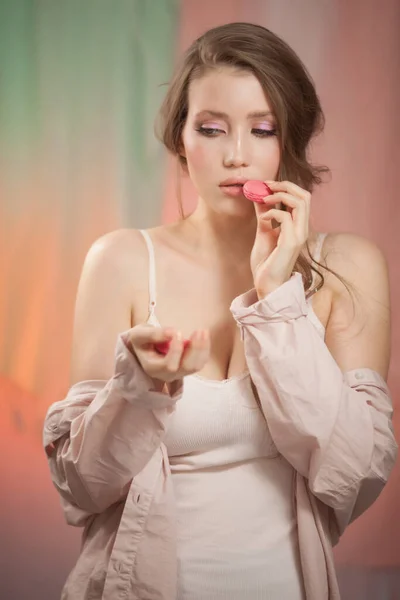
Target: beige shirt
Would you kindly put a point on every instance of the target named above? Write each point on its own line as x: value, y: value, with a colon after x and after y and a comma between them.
x: 108, y: 461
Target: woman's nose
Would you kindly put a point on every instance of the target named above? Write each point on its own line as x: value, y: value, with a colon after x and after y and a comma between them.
x: 236, y: 154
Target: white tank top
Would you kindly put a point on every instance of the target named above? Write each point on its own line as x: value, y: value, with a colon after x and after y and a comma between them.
x: 236, y: 524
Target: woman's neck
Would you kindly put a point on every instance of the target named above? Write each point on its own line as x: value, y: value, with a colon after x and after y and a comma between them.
x: 225, y: 239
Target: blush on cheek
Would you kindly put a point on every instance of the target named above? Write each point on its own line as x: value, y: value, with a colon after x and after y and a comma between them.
x: 198, y: 156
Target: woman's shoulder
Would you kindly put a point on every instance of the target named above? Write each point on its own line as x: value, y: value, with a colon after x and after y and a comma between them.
x: 116, y: 241
x: 355, y: 257
x: 120, y: 248
x: 114, y: 262
x: 345, y: 247
x: 344, y: 241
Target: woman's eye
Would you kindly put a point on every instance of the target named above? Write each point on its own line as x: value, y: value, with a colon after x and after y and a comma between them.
x: 264, y: 132
x: 209, y: 130
x: 213, y: 131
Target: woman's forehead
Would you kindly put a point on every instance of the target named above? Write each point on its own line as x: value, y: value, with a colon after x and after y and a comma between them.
x: 225, y: 92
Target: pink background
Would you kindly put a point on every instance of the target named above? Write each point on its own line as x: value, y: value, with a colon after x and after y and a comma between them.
x: 352, y: 50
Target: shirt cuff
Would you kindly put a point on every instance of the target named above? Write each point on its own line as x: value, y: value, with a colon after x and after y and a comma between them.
x: 285, y: 303
x: 136, y: 385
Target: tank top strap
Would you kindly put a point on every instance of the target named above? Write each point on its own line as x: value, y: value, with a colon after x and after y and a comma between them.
x: 152, y: 272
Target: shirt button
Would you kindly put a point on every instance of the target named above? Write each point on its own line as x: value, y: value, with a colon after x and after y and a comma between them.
x: 359, y: 375
x: 121, y: 568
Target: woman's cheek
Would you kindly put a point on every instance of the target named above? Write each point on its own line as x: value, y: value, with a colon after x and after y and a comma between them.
x: 198, y: 156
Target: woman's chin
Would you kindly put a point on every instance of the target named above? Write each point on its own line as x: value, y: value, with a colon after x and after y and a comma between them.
x: 228, y: 206
x: 238, y: 207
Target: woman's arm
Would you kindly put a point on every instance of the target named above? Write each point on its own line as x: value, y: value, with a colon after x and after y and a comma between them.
x: 326, y: 402
x: 111, y: 422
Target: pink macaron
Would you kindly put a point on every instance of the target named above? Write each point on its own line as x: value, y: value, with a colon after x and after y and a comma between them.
x: 256, y: 191
x: 163, y: 347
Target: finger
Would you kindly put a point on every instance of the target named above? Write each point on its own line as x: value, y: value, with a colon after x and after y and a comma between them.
x: 288, y: 200
x: 299, y: 209
x: 262, y: 207
x: 145, y: 334
x: 290, y: 187
x: 291, y: 228
x: 198, y: 351
x: 283, y: 218
x: 174, y: 355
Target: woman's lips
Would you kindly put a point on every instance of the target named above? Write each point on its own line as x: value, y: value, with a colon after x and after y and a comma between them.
x: 232, y: 190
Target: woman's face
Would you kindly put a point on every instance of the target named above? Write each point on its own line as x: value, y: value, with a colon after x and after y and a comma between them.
x: 229, y: 136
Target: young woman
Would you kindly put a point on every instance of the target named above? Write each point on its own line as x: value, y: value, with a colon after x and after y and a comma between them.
x: 229, y: 467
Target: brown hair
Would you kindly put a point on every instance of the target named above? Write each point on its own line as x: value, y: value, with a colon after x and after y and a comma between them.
x: 289, y: 88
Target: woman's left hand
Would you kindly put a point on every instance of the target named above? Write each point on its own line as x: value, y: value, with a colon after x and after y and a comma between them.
x: 276, y: 249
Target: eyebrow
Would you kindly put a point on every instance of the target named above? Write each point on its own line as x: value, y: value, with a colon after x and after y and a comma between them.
x: 258, y: 114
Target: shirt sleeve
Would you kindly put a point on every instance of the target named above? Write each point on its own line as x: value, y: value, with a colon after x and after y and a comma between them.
x: 104, y: 432
x: 334, y: 428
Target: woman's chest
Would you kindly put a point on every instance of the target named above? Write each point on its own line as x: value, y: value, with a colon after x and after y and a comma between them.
x: 195, y: 301
x: 217, y: 423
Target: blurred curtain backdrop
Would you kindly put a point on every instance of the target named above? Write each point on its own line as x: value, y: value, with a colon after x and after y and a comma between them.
x: 80, y: 85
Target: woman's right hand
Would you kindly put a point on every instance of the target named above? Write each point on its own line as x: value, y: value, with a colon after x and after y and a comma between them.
x: 178, y: 361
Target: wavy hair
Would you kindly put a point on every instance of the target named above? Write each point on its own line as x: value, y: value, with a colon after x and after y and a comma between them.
x: 290, y: 91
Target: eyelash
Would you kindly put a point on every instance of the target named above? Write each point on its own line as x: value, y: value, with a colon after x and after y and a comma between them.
x: 211, y: 131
